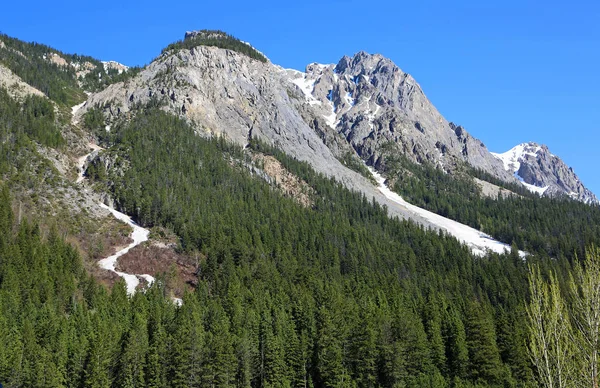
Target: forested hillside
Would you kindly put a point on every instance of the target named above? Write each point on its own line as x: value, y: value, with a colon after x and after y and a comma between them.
x: 326, y: 292
x: 61, y: 77
x: 335, y: 295
x: 328, y: 287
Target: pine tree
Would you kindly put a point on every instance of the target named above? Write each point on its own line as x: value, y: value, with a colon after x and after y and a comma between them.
x: 455, y: 339
x: 484, y: 356
x: 132, y: 361
x: 187, y: 345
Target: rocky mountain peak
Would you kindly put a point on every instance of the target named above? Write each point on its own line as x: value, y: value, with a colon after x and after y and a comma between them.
x: 364, y: 104
x: 372, y: 103
x: 543, y: 172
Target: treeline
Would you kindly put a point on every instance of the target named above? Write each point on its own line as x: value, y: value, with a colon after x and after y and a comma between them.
x: 556, y: 227
x: 216, y: 38
x: 99, y: 79
x: 335, y: 295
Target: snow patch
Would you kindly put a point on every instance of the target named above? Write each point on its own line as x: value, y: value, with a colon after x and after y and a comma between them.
x: 512, y: 162
x: 114, y: 65
x: 139, y: 235
x: 533, y: 188
x: 75, y: 108
x: 349, y: 98
x: 372, y: 115
x: 479, y: 242
x: 307, y: 86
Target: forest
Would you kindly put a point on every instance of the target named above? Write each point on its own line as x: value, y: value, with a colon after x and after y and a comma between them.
x: 30, y: 61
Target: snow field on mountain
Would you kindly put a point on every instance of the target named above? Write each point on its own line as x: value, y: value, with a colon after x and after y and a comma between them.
x: 478, y: 241
x: 512, y: 162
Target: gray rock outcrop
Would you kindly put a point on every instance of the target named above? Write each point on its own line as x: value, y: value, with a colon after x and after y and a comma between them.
x: 545, y: 172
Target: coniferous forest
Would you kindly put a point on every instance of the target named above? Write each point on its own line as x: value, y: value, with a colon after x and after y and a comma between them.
x: 337, y: 294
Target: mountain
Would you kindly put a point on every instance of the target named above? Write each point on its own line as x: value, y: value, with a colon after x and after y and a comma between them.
x: 362, y: 108
x: 372, y: 103
x: 213, y: 219
x: 544, y: 173
x: 362, y: 111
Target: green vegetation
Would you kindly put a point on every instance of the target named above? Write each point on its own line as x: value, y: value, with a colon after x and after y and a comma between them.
x: 31, y: 62
x: 553, y: 227
x: 219, y: 39
x: 352, y: 162
x: 335, y: 295
x: 99, y: 79
x: 565, y: 325
x: 21, y: 122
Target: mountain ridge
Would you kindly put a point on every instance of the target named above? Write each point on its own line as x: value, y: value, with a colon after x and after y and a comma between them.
x: 361, y: 105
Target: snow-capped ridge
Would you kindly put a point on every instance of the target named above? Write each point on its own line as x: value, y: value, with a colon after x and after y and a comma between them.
x: 544, y: 173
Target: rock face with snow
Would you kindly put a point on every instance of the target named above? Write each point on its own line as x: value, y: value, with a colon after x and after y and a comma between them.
x: 364, y: 106
x: 112, y: 65
x: 374, y: 104
x: 224, y: 93
x: 542, y: 172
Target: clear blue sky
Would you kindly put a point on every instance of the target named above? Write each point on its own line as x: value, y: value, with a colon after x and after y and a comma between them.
x: 509, y: 71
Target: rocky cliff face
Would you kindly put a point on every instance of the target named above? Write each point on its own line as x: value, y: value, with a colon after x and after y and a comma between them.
x: 544, y: 173
x: 373, y: 103
x: 224, y: 93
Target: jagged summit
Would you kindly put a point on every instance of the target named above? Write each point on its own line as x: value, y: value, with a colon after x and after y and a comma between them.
x: 373, y: 104
x: 543, y: 172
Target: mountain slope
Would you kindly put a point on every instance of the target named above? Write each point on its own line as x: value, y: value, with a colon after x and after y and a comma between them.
x: 297, y: 280
x: 364, y: 108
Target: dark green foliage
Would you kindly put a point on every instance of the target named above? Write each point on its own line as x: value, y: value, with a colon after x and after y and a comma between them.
x: 32, y: 119
x: 98, y: 79
x: 219, y: 39
x: 352, y: 162
x: 335, y: 295
x: 30, y: 62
